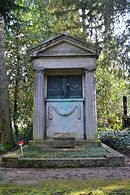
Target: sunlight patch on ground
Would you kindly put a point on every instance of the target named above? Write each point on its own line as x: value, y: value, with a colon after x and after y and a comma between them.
x: 68, y: 187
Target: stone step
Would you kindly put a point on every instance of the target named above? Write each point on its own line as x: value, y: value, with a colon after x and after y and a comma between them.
x: 49, y: 143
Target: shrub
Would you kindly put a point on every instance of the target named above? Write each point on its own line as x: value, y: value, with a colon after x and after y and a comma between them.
x: 4, y: 148
x: 25, y: 135
x: 118, y: 140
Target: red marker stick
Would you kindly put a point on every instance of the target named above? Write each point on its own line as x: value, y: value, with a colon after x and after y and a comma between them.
x: 21, y: 147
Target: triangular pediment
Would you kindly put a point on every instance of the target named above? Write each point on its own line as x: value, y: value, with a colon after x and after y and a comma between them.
x: 63, y: 48
x: 63, y: 45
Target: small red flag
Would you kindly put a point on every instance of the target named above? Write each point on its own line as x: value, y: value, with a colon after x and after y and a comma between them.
x: 20, y: 143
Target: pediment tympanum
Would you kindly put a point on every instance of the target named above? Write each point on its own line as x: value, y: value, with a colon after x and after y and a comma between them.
x: 63, y: 45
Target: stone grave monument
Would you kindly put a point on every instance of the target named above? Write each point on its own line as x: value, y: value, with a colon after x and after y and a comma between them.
x: 64, y: 108
x: 64, y: 88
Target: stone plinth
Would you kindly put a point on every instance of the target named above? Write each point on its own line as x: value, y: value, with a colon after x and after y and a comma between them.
x: 111, y: 159
x: 64, y: 140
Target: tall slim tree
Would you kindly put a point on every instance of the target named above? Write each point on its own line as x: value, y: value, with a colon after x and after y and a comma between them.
x: 6, y: 7
x: 5, y: 117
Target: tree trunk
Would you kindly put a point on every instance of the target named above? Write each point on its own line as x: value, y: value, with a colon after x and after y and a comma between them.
x: 84, y: 24
x: 5, y: 117
x: 16, y: 108
x: 16, y: 90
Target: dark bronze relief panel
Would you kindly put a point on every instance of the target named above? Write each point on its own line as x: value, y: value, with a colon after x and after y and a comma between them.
x: 64, y: 86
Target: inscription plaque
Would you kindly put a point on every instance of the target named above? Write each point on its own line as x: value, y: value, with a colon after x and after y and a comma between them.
x: 64, y: 86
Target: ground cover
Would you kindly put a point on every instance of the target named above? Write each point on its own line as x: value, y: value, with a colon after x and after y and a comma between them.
x: 83, y: 181
x: 68, y: 187
x: 87, y: 152
x: 118, y: 140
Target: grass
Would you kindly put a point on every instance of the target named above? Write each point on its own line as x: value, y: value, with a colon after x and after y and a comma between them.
x: 1, y: 177
x: 70, y: 187
x: 90, y: 151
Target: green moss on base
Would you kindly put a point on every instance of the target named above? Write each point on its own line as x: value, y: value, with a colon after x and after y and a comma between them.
x: 88, y: 152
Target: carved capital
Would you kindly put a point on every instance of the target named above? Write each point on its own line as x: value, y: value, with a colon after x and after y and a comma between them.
x: 39, y: 72
x: 86, y: 70
x: 38, y: 69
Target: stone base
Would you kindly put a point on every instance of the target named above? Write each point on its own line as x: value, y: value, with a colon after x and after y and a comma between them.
x: 49, y: 143
x: 112, y: 159
x: 64, y: 140
x: 41, y: 143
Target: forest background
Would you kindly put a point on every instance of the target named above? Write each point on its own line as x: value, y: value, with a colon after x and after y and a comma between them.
x: 104, y: 23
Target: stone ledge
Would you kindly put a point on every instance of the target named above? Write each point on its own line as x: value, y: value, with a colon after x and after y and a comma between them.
x: 10, y: 160
x: 61, y: 163
x: 88, y: 142
x: 49, y: 143
x: 113, y: 159
x: 64, y: 136
x: 64, y: 140
x: 42, y: 143
x: 53, y: 163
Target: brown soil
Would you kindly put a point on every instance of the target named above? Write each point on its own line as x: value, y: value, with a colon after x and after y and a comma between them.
x: 7, y: 174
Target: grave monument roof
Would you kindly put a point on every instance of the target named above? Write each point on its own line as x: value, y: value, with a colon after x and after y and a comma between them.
x: 64, y: 45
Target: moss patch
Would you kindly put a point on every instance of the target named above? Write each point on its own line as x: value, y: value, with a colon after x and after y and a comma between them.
x: 90, y: 151
x: 70, y: 187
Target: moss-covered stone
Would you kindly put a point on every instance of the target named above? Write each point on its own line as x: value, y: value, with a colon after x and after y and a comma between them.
x: 91, y: 156
x: 10, y: 160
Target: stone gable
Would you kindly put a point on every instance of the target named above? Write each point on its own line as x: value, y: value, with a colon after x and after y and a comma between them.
x: 63, y: 45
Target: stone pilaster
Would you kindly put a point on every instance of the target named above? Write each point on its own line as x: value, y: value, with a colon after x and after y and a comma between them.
x: 90, y: 105
x: 39, y: 106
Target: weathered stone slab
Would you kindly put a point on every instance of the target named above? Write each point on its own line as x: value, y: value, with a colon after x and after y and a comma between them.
x: 88, y: 142
x: 61, y: 162
x: 10, y: 160
x: 48, y: 144
x: 64, y: 140
x: 62, y: 63
x: 63, y: 116
x: 112, y: 159
x: 41, y: 143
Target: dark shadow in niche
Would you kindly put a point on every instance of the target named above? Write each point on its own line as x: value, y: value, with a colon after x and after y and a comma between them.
x: 64, y: 86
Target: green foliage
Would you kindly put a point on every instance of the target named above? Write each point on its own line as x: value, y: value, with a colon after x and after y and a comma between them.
x: 118, y: 140
x: 19, y: 71
x: 6, y: 6
x: 94, y: 21
x: 1, y: 177
x: 5, y: 148
x: 25, y: 135
x: 109, y: 90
